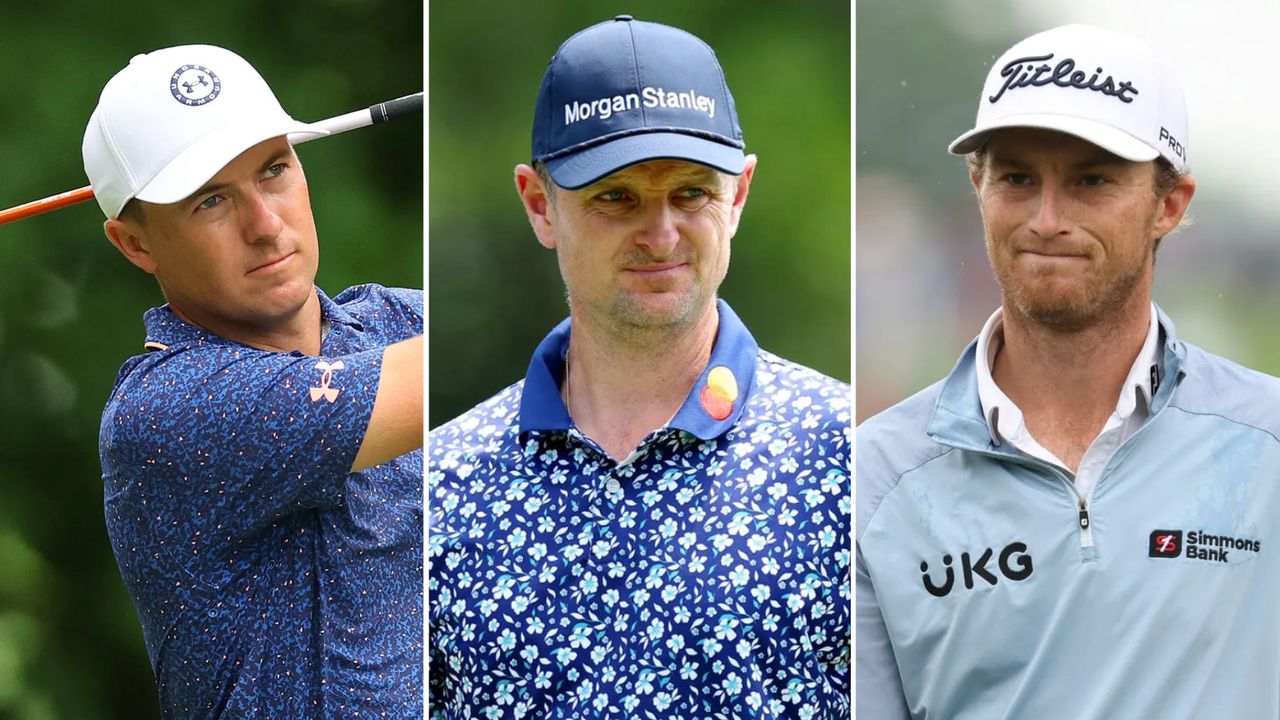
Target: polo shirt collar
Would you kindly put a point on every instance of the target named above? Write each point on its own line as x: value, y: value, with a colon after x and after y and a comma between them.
x: 332, y: 312
x: 165, y: 328
x: 958, y: 420
x: 712, y: 407
x: 541, y: 407
x: 1004, y: 418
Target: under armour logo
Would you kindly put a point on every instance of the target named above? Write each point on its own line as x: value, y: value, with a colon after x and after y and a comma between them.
x: 194, y: 85
x: 324, y: 391
x: 191, y: 86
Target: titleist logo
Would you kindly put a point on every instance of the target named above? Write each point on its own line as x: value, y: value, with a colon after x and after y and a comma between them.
x: 1024, y: 72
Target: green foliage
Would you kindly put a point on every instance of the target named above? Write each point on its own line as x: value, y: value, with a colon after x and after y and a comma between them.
x: 71, y: 307
x: 494, y: 292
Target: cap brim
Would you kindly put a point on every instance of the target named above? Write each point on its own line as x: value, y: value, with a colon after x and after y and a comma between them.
x: 195, y: 165
x: 583, y: 168
x: 1117, y: 142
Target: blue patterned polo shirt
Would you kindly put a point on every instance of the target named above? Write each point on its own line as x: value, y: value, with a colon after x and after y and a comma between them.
x: 270, y: 582
x: 704, y: 576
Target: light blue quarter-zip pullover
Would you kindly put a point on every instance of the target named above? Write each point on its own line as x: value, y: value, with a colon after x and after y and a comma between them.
x: 988, y: 589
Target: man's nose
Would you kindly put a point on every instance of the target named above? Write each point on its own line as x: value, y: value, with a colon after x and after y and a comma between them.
x: 659, y: 232
x: 1049, y: 219
x: 260, y: 218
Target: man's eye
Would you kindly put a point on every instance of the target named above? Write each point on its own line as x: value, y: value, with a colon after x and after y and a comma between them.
x: 209, y: 202
x: 1092, y: 180
x: 1018, y: 179
x: 612, y: 196
x: 693, y: 193
x: 275, y: 170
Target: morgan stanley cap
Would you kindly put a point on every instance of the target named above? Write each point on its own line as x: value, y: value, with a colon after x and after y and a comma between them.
x: 625, y: 92
x: 1102, y: 86
x: 172, y: 119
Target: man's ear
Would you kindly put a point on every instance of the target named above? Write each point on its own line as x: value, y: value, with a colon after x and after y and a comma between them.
x: 741, y: 188
x: 536, y: 198
x: 1173, y: 206
x: 131, y: 240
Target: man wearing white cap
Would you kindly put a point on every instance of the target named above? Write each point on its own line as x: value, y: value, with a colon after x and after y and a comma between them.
x: 262, y: 461
x: 1077, y: 521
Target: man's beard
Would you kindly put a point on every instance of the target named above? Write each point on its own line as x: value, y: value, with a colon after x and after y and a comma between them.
x: 1077, y: 310
x: 1102, y: 296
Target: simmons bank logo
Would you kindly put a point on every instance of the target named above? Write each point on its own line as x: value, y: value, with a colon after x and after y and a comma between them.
x: 1013, y: 562
x: 1199, y: 545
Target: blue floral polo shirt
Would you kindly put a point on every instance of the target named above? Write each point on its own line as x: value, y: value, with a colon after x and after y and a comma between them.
x: 704, y: 576
x: 270, y: 582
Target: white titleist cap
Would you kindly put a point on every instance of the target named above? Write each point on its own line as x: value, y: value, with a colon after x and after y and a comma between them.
x: 174, y: 118
x: 1099, y: 85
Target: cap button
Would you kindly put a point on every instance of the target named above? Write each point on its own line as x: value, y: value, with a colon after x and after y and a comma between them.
x: 624, y: 18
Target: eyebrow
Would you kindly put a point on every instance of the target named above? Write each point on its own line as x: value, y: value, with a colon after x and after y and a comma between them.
x: 216, y: 186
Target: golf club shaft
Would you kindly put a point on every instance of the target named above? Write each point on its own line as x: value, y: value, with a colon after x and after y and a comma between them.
x: 380, y: 113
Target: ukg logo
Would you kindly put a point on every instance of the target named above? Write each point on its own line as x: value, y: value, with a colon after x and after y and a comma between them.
x: 1013, y: 562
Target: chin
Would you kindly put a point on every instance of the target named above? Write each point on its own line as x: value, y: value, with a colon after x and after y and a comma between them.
x: 1065, y: 317
x: 285, y: 300
x: 657, y: 310
x: 1064, y: 309
x: 1075, y: 302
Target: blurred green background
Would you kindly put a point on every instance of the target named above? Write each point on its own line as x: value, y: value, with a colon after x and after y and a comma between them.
x: 71, y: 307
x: 494, y: 292
x: 924, y: 285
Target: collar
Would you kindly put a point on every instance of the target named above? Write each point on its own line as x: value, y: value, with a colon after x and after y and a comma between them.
x: 711, y: 408
x: 1004, y: 418
x: 165, y: 328
x: 960, y: 418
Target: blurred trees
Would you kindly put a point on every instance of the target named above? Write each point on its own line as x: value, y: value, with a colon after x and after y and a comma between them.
x: 71, y: 307
x: 494, y: 292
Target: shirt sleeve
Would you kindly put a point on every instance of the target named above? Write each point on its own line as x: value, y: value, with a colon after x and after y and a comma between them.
x: 393, y: 314
x: 437, y: 689
x: 411, y: 302
x: 213, y: 444
x: 879, y: 692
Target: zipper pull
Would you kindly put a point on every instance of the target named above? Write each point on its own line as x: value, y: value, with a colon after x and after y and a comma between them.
x: 1084, y: 516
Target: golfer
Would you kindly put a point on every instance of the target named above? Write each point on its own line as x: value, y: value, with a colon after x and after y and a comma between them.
x: 261, y: 459
x: 652, y: 523
x: 1078, y: 521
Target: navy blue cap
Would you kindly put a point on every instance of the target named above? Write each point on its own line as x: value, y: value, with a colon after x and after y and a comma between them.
x: 625, y: 92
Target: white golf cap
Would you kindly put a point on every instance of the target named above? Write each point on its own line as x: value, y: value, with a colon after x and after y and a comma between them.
x: 1102, y: 86
x: 172, y: 119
